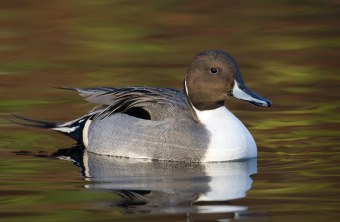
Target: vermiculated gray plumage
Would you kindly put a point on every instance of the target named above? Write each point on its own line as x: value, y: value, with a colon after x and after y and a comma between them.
x: 169, y: 133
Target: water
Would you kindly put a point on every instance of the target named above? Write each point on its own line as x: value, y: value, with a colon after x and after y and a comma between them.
x: 288, y: 51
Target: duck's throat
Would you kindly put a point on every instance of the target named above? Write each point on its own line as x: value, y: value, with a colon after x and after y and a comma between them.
x: 203, y: 100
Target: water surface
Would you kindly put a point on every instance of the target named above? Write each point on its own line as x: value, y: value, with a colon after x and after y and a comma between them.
x: 288, y: 51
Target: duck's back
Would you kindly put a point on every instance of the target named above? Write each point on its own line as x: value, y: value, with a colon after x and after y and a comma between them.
x: 141, y: 102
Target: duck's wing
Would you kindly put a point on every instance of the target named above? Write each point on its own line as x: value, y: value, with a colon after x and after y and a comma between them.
x: 142, y: 102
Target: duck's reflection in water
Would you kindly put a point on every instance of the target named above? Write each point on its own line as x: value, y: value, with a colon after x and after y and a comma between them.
x: 167, y: 187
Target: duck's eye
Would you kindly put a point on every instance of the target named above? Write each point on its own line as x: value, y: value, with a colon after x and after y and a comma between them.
x: 213, y: 70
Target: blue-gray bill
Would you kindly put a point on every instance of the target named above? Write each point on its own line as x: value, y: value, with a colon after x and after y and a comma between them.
x: 241, y: 91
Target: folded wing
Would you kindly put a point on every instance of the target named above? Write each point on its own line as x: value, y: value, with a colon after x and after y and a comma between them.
x: 141, y: 102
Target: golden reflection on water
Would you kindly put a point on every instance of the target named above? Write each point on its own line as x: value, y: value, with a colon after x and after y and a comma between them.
x: 287, y: 51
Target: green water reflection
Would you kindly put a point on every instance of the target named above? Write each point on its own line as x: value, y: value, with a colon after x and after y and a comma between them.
x: 288, y: 51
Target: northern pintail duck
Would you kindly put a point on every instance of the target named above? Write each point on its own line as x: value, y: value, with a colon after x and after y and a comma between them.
x: 192, y: 125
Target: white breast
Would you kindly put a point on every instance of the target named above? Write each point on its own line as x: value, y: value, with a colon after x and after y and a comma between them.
x: 229, y: 138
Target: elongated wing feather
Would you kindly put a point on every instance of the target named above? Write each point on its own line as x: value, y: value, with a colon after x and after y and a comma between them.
x: 160, y: 103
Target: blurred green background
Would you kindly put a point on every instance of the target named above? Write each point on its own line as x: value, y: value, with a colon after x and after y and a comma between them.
x: 288, y: 51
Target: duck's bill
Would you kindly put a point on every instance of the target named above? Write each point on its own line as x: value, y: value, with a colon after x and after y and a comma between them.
x: 241, y: 91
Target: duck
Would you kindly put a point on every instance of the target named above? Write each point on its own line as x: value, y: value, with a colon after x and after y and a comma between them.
x: 192, y: 125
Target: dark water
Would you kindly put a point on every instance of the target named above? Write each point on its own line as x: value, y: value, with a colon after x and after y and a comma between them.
x: 288, y: 51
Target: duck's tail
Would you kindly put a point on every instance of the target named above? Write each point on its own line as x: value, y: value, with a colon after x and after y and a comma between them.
x: 73, y: 129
